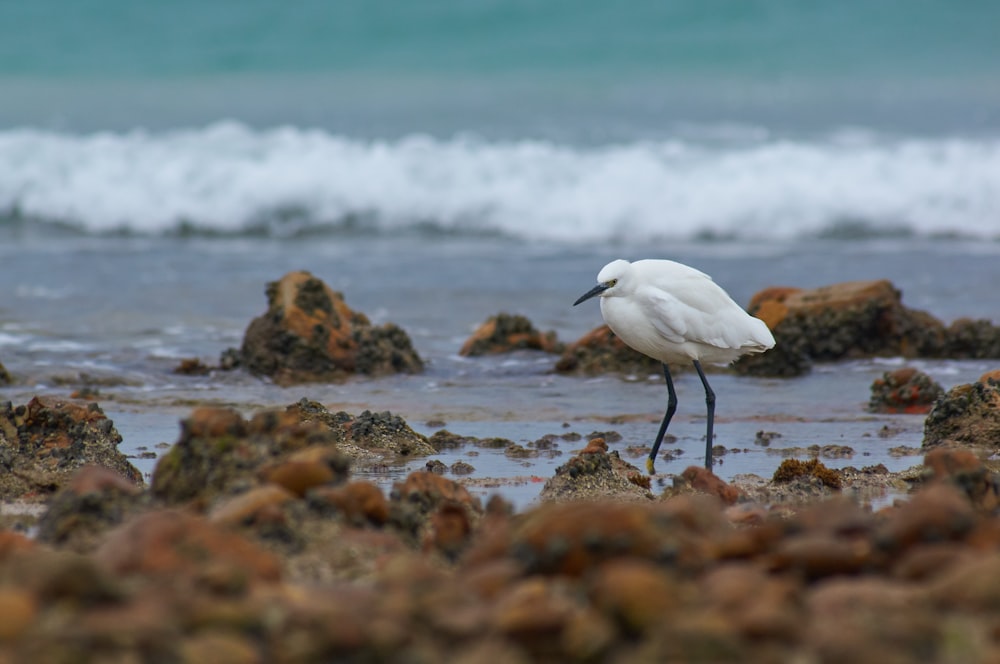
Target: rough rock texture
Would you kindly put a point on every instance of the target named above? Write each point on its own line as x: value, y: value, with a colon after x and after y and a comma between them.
x: 840, y: 321
x: 221, y: 453
x: 291, y: 567
x: 596, y: 474
x: 299, y: 448
x: 600, y: 351
x: 794, y: 469
x: 967, y: 414
x: 857, y: 319
x: 43, y: 442
x: 972, y: 339
x: 309, y: 334
x: 380, y: 434
x: 581, y: 581
x: 504, y: 333
x: 906, y: 390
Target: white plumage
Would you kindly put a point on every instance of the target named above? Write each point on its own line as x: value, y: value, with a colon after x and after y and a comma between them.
x: 675, y: 313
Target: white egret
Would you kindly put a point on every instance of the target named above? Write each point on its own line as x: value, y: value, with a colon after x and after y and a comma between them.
x: 675, y: 313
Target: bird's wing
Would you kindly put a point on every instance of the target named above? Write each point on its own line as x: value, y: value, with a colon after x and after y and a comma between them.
x: 702, y: 313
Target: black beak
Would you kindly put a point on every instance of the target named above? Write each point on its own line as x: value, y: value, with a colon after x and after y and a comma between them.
x: 596, y: 290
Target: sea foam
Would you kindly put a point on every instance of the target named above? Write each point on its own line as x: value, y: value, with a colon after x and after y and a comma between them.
x: 229, y: 178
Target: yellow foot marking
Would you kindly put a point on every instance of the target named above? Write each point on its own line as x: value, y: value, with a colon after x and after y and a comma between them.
x: 649, y: 466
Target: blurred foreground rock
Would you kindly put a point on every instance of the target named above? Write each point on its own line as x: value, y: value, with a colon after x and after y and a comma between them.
x: 504, y: 333
x: 43, y: 442
x: 309, y: 334
x: 337, y: 572
x: 253, y: 544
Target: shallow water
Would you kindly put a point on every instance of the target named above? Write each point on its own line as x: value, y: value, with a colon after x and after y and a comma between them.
x: 117, y: 314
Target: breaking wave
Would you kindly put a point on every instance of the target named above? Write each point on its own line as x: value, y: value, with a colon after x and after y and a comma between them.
x: 230, y: 179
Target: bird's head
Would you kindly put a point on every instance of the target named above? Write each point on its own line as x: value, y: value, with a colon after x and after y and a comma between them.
x: 609, y: 281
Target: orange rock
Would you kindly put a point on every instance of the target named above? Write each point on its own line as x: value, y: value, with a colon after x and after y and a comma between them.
x: 990, y: 376
x: 702, y: 479
x: 504, y: 333
x: 308, y: 304
x: 850, y: 319
x: 310, y: 334
x: 838, y: 295
x: 769, y: 304
x: 771, y: 294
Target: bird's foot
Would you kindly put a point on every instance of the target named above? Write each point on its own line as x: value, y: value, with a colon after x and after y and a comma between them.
x: 649, y: 466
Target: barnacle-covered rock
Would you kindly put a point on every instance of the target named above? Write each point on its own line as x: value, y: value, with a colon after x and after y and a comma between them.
x: 309, y: 334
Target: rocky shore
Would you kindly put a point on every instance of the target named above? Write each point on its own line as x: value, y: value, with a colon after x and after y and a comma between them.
x: 254, y: 540
x: 253, y: 543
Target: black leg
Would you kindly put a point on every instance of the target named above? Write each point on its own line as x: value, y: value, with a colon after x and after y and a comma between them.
x: 710, y: 403
x: 671, y: 408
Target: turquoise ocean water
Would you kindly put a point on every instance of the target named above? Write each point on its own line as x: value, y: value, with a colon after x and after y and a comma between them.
x: 552, y: 120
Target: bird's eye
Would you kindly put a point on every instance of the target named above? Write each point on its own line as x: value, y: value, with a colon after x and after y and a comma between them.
x: 612, y: 282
